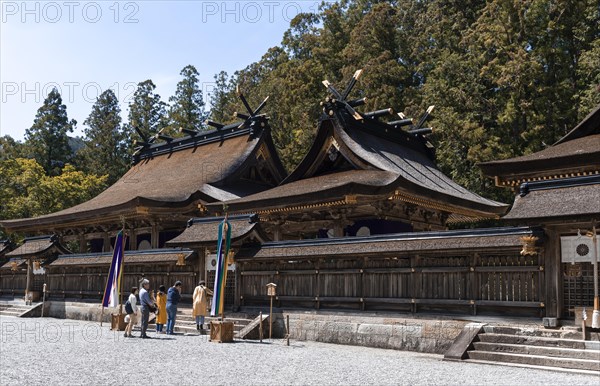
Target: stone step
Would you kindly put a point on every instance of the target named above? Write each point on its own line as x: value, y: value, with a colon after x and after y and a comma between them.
x: 536, y: 360
x: 14, y: 311
x: 527, y: 366
x: 15, y: 308
x: 537, y: 341
x: 10, y: 313
x: 563, y: 333
x: 538, y: 350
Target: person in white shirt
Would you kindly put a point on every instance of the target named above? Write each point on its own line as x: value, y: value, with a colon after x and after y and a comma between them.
x: 133, y: 316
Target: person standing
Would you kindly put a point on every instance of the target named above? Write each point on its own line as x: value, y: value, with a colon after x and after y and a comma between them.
x: 146, y: 303
x: 161, y: 304
x: 173, y: 297
x: 132, y: 316
x: 201, y: 294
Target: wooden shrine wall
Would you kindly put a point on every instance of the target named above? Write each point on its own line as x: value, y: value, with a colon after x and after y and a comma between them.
x: 12, y: 283
x: 491, y: 282
x: 88, y: 281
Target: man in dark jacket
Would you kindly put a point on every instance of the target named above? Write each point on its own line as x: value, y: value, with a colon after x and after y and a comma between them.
x: 173, y: 297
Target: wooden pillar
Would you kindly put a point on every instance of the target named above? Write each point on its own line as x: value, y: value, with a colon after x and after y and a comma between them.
x: 277, y: 228
x: 132, y: 239
x: 82, y: 243
x: 338, y: 229
x: 154, y: 236
x: 551, y: 261
x: 106, y: 243
x: 237, y: 289
x: 29, y: 278
x: 361, y: 282
x: 318, y: 282
x: 203, y: 266
x: 277, y: 232
x: 416, y: 280
x: 475, y: 278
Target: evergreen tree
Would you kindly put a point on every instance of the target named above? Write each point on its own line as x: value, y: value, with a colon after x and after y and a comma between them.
x: 105, y: 150
x: 47, y: 139
x: 507, y: 77
x: 187, y: 105
x: 220, y: 98
x: 147, y: 113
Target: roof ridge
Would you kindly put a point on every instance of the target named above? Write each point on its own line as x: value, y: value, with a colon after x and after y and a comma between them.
x: 202, y: 138
x: 128, y: 252
x: 527, y: 187
x: 410, y: 236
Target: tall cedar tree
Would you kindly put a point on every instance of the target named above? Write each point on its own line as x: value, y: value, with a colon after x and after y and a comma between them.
x: 147, y: 112
x: 105, y: 151
x: 187, y: 105
x: 220, y: 98
x: 47, y: 139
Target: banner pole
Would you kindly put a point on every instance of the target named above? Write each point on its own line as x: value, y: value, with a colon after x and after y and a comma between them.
x: 596, y: 312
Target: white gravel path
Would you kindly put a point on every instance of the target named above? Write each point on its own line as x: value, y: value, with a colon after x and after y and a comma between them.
x: 55, y: 351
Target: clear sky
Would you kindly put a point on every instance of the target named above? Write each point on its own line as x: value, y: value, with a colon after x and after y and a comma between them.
x: 86, y: 47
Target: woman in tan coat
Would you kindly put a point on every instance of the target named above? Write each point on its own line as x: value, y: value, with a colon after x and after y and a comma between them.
x: 201, y: 294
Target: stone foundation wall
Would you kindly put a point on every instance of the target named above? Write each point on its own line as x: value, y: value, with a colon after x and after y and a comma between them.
x: 427, y: 335
x: 77, y: 311
x: 400, y: 333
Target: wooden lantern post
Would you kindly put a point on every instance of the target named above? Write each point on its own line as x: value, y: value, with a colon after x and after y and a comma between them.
x: 271, y: 292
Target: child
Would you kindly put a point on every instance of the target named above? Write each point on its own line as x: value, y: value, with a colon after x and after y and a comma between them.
x: 132, y: 317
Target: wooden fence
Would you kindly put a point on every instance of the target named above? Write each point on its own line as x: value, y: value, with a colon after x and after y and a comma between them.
x: 476, y: 282
x: 88, y: 282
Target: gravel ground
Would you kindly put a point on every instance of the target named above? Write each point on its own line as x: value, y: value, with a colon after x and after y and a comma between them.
x: 56, y: 351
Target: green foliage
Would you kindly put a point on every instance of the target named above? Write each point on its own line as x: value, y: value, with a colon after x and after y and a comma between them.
x: 507, y: 77
x: 187, y: 105
x: 221, y: 97
x: 47, y: 139
x: 147, y: 113
x: 9, y: 148
x: 26, y: 190
x: 105, y: 149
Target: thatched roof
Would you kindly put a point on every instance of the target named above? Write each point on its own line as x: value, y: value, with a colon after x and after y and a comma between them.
x: 572, y: 154
x: 37, y: 246
x: 207, y: 167
x: 15, y: 261
x: 569, y: 198
x: 497, y: 239
x: 204, y: 231
x: 363, y: 157
x: 130, y: 257
x: 578, y: 151
x: 588, y: 126
x: 4, y: 247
